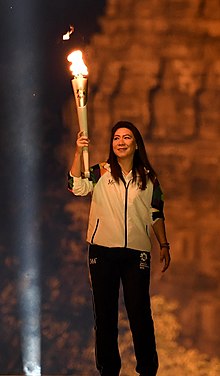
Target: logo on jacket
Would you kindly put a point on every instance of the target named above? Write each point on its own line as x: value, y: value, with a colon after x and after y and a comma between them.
x: 111, y: 181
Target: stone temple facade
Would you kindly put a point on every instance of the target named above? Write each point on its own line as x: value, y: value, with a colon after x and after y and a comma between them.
x: 157, y: 63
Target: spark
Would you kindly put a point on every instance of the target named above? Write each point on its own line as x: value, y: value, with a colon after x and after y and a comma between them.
x: 69, y: 32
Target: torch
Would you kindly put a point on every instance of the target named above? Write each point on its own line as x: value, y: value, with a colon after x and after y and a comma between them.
x: 80, y: 90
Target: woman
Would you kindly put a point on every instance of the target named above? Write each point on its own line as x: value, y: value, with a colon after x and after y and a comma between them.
x: 126, y: 202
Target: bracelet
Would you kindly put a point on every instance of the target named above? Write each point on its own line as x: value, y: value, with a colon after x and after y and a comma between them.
x: 165, y: 245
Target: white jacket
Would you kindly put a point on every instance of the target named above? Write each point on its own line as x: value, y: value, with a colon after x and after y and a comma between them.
x: 120, y: 215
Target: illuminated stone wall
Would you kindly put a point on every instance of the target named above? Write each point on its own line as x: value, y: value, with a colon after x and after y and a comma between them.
x: 157, y: 64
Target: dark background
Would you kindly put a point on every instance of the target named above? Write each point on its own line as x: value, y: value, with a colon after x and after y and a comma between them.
x: 177, y: 42
x: 34, y: 84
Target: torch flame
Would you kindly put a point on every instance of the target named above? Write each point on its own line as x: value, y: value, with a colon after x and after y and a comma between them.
x: 78, y: 67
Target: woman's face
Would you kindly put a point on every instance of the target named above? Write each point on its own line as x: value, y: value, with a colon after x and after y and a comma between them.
x: 124, y: 143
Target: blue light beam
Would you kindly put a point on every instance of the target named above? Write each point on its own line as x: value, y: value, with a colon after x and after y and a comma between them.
x: 24, y: 125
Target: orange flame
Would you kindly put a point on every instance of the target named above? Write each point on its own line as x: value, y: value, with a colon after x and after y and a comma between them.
x: 78, y: 67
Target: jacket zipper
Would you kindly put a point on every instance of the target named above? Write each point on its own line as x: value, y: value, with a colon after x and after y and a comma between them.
x: 126, y: 212
x: 94, y: 232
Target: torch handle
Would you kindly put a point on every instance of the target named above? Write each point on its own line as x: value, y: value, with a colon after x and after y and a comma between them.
x: 80, y: 89
x: 86, y: 162
x: 83, y: 125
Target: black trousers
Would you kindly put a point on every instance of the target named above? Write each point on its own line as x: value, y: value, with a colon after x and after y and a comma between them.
x: 108, y: 267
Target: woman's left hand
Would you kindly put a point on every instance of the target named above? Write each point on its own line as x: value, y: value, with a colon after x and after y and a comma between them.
x: 165, y: 258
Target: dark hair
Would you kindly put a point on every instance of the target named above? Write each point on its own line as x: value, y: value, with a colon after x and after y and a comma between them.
x: 141, y: 164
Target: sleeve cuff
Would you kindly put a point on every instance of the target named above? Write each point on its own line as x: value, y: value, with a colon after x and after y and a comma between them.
x: 73, y: 181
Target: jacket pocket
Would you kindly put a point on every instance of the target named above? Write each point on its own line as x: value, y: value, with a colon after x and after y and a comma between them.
x: 94, y: 232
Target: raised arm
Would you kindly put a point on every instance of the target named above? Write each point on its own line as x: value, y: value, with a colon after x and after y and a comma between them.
x: 77, y: 165
x: 77, y: 184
